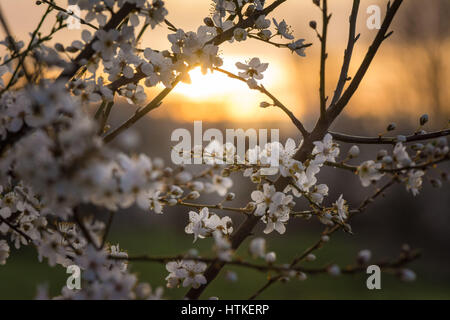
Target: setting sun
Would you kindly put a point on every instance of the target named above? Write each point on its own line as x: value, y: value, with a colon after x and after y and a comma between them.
x: 215, y: 88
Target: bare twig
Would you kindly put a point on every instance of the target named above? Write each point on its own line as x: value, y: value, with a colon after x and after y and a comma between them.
x: 388, y: 140
x: 155, y: 103
x: 323, y: 55
x: 13, y: 44
x: 382, y: 35
x: 69, y: 13
x: 275, y: 101
x: 343, y: 77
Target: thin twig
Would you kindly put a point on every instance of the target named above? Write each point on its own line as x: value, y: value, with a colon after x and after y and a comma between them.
x: 275, y: 101
x: 69, y: 13
x: 382, y: 35
x: 13, y: 44
x: 388, y: 140
x: 343, y: 77
x: 323, y: 56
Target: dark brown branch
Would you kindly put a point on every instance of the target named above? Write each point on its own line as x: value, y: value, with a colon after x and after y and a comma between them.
x: 275, y: 101
x: 343, y: 77
x: 388, y: 140
x: 69, y: 13
x: 83, y: 228
x: 420, y: 166
x: 336, y: 109
x: 155, y: 103
x: 323, y: 56
x: 16, y: 229
x: 386, y: 266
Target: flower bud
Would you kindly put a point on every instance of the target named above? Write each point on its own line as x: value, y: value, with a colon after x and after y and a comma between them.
x: 230, y: 196
x: 193, y: 195
x: 192, y: 252
x: 59, y: 47
x: 231, y: 276
x: 264, y: 104
x: 158, y: 163
x: 387, y: 160
x: 436, y: 183
x: 364, y: 256
x: 334, y: 270
x: 423, y: 119
x: 407, y: 275
x: 310, y: 257
x: 257, y: 247
x: 208, y: 22
x: 353, y: 152
x: 172, y: 202
x: 250, y: 206
x: 250, y: 10
x: 392, y: 126
x: 240, y: 34
x: 271, y: 257
x: 313, y: 24
x: 382, y: 153
x: 301, y: 276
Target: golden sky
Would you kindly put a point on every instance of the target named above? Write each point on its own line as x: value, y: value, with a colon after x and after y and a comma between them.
x: 389, y: 89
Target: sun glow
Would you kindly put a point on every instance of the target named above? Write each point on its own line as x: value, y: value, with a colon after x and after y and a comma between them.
x: 223, y: 96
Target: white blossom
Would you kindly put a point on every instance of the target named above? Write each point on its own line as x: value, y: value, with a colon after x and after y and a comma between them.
x: 326, y: 150
x: 414, y: 181
x: 369, y: 172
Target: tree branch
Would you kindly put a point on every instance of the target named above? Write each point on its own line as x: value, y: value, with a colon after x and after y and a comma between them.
x: 343, y: 77
x: 323, y: 56
x: 337, y: 108
x: 275, y: 101
x: 388, y: 140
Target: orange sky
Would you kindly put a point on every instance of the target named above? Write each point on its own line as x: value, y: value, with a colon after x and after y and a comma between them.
x: 292, y: 79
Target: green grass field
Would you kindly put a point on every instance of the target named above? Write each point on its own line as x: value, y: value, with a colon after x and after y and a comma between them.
x: 21, y: 275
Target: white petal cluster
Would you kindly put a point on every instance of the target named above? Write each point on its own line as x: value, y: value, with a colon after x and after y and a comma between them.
x: 203, y: 224
x: 252, y: 71
x: 273, y: 207
x: 186, y: 273
x: 326, y: 150
x: 369, y: 172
